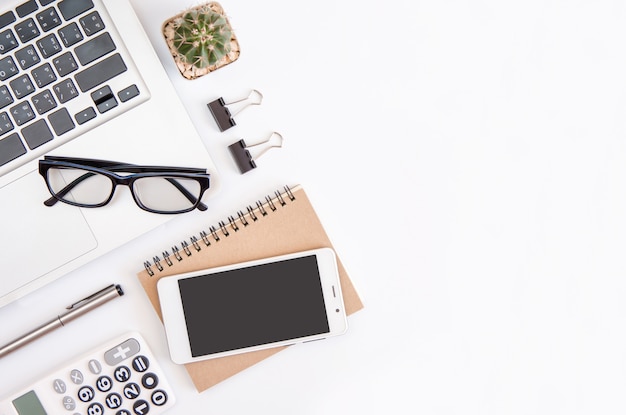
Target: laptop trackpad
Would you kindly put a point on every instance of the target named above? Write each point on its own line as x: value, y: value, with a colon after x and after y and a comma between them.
x: 37, y: 239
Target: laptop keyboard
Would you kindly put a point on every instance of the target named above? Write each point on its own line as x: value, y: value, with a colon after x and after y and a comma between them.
x: 63, y: 71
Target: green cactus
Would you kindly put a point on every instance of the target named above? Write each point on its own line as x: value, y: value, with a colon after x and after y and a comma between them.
x: 202, y: 37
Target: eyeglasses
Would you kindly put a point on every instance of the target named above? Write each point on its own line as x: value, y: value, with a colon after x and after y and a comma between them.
x: 91, y: 183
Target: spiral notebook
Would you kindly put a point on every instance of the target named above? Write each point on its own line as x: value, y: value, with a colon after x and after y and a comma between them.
x: 281, y: 223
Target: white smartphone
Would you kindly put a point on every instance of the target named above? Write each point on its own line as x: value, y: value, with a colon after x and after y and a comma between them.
x: 253, y: 305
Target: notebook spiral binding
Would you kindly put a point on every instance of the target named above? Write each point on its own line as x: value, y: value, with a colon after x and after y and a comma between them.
x: 222, y: 230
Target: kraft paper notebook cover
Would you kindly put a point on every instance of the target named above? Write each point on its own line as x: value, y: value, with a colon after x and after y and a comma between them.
x: 282, y: 223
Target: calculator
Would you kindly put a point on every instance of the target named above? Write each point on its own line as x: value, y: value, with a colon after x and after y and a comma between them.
x: 121, y: 377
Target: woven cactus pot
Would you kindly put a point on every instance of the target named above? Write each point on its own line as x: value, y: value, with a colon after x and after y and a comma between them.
x: 201, y: 40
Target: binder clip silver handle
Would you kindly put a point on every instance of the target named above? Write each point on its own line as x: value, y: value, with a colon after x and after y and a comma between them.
x: 224, y: 116
x: 241, y: 152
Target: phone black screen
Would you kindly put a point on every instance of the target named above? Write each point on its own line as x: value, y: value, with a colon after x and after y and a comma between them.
x: 253, y: 305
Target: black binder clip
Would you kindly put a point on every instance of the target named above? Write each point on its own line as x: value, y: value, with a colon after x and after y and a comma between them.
x: 224, y: 117
x: 244, y: 159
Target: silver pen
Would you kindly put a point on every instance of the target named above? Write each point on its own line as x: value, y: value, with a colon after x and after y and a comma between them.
x: 75, y: 310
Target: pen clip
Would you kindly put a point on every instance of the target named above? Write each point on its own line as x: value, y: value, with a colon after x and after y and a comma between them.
x: 88, y: 298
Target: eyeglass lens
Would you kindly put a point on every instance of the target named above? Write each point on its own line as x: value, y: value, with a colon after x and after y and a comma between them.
x: 167, y: 194
x: 79, y: 186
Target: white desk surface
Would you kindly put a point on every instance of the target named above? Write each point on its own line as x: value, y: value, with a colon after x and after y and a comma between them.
x: 467, y: 161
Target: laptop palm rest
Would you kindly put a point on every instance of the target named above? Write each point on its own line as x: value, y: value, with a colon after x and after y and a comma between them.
x: 35, y: 238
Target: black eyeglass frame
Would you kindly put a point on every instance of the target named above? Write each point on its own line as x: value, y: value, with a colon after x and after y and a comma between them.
x: 108, y: 168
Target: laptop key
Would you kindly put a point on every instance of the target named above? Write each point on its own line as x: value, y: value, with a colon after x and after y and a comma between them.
x: 85, y: 115
x: 11, y: 147
x: 44, y: 102
x: 100, y: 72
x: 49, y: 45
x: 43, y: 75
x: 65, y: 90
x: 22, y: 113
x: 61, y: 121
x: 5, y: 123
x: 128, y: 93
x: 27, y: 30
x: 7, y: 41
x: 65, y: 64
x: 27, y: 57
x: 70, y: 35
x: 22, y: 86
x: 72, y: 8
x: 37, y: 133
x: 94, y: 49
x: 7, y: 68
x: 5, y: 96
x: 6, y: 19
x: 48, y: 19
x: 92, y: 23
x: 26, y: 8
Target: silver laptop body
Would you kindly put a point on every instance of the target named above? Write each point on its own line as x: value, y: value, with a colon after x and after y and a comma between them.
x: 79, y: 78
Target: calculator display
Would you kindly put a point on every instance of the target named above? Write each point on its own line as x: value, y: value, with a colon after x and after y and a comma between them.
x: 29, y: 404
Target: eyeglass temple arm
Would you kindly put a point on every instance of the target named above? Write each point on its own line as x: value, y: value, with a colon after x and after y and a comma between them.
x: 54, y: 199
x: 123, y: 167
x: 61, y: 193
x: 201, y: 206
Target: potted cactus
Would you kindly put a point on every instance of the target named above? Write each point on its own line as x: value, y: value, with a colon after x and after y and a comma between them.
x: 201, y: 40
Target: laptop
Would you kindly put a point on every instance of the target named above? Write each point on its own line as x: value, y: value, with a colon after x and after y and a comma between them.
x: 79, y: 78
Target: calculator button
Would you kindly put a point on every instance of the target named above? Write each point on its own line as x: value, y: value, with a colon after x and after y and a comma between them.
x: 150, y: 380
x: 69, y: 403
x: 141, y: 407
x: 104, y: 383
x: 86, y: 394
x: 121, y: 352
x: 95, y: 367
x: 132, y: 390
x: 113, y: 400
x: 141, y: 363
x: 59, y: 386
x: 77, y: 377
x: 159, y: 398
x: 122, y: 374
x: 123, y: 412
x: 95, y: 409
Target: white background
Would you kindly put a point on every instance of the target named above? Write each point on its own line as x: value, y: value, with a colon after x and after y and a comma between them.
x: 467, y: 161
